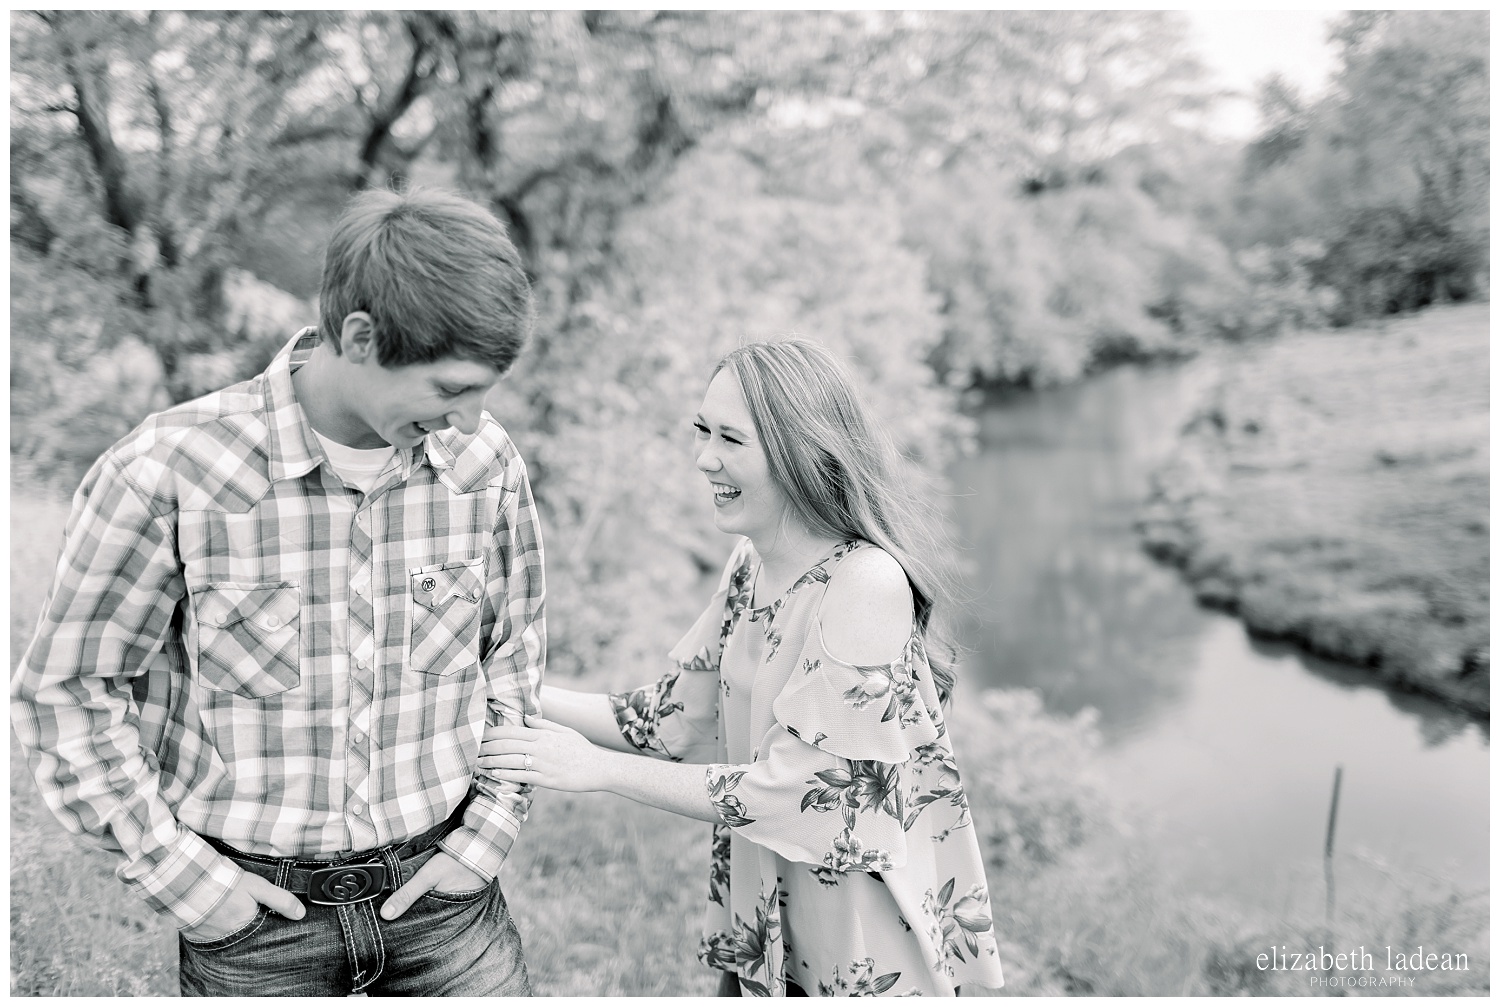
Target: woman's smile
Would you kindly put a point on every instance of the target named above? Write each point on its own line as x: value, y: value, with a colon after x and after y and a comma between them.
x: 729, y: 453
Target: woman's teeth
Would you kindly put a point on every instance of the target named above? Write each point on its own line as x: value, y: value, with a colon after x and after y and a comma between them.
x: 723, y: 493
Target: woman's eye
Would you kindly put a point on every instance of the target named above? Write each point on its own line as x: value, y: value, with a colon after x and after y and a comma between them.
x: 703, y: 431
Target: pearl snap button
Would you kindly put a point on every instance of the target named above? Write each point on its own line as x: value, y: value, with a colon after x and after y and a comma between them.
x: 273, y: 622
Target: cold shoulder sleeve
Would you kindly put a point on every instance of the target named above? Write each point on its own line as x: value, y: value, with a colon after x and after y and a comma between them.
x: 874, y: 712
x: 677, y: 717
x: 843, y: 774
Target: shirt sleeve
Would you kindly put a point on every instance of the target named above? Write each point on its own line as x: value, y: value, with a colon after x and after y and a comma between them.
x: 677, y: 717
x: 838, y: 780
x: 517, y: 656
x: 106, y: 618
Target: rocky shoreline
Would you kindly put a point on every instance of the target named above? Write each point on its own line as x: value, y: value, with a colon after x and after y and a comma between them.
x: 1333, y: 491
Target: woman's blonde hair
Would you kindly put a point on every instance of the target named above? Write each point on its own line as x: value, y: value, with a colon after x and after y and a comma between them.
x: 841, y: 472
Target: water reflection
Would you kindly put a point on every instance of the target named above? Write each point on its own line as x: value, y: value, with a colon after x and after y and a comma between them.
x: 1228, y: 743
x: 1066, y: 602
x: 1437, y: 722
x: 1241, y: 772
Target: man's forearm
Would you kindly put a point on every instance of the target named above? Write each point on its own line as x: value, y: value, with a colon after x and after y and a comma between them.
x: 490, y: 825
x: 174, y: 870
x: 72, y: 699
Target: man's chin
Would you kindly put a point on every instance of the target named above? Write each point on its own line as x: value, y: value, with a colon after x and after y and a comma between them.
x: 409, y: 436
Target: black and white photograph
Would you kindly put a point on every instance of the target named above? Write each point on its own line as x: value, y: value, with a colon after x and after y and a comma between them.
x: 697, y: 503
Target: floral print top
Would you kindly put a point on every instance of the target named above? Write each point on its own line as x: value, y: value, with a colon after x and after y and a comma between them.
x: 844, y: 859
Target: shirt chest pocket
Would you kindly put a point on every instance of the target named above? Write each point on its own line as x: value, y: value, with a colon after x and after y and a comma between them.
x: 446, y: 603
x: 249, y: 638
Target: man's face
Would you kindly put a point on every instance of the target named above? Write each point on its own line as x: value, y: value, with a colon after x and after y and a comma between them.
x: 401, y: 405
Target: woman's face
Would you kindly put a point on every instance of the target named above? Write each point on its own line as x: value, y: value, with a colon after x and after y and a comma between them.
x: 728, y: 451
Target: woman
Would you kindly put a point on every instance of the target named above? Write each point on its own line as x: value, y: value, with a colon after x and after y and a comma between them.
x: 844, y: 858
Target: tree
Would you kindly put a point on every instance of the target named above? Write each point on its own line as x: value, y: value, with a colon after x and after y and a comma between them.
x: 1010, y: 193
x: 146, y: 142
x: 1388, y: 173
x: 1417, y: 101
x: 1054, y: 190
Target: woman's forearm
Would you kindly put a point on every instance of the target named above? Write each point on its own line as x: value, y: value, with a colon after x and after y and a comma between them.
x: 558, y: 756
x: 588, y: 713
x: 671, y: 786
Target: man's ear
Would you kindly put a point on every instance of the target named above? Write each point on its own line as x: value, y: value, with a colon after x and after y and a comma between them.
x: 357, y: 338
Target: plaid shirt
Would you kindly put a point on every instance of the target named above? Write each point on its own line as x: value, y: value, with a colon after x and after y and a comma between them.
x: 238, y: 646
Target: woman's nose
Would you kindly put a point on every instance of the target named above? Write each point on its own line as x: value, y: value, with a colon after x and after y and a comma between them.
x: 707, y: 460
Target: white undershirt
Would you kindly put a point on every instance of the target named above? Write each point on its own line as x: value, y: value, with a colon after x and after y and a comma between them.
x: 358, y: 467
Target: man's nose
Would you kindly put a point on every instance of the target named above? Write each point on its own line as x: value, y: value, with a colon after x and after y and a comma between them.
x: 465, y: 419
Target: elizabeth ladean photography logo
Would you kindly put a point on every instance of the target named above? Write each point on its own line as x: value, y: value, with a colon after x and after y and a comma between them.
x: 1361, y: 960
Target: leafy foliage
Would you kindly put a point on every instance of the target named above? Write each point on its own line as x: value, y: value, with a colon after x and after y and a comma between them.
x: 717, y: 257
x: 1033, y: 775
x: 1005, y: 196
x: 1389, y: 173
x: 1053, y: 192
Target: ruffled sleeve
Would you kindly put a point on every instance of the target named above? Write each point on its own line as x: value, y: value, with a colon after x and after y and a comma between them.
x: 859, y: 712
x: 831, y: 779
x: 677, y: 718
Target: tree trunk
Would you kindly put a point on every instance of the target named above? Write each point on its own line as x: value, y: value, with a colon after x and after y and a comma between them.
x: 419, y: 71
x: 120, y: 207
x: 27, y: 223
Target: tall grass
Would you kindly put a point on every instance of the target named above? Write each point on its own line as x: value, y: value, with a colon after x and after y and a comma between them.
x: 1115, y: 920
x: 608, y: 894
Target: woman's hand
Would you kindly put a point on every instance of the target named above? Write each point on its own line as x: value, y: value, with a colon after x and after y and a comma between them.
x: 563, y: 759
x: 559, y: 757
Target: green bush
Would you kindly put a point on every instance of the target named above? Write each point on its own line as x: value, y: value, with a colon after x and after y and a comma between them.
x: 1388, y: 173
x: 1281, y: 291
x: 81, y: 376
x: 1385, y: 260
x: 1039, y: 289
x: 1033, y: 778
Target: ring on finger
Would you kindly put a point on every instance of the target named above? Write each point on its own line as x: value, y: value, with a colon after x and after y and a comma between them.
x: 527, y: 764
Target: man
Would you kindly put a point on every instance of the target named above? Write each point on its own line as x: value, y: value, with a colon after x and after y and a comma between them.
x: 283, y: 616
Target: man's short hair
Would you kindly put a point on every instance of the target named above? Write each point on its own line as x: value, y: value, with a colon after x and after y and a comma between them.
x: 435, y: 271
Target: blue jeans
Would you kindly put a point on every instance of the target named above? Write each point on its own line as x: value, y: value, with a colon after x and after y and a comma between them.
x: 446, y: 944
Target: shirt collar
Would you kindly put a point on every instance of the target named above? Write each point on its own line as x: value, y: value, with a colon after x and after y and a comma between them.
x: 465, y: 462
x: 292, y: 449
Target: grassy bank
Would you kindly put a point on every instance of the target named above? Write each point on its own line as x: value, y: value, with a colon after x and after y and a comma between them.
x: 1335, y: 492
x: 608, y: 894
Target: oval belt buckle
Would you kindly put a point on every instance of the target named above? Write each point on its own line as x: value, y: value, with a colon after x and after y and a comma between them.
x: 337, y: 886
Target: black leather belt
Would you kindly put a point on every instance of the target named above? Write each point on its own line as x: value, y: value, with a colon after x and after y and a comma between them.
x: 355, y: 878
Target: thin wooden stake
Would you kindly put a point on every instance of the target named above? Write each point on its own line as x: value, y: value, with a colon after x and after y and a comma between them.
x: 1333, y: 816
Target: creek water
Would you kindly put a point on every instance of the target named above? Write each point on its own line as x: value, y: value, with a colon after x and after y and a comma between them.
x: 1225, y: 744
